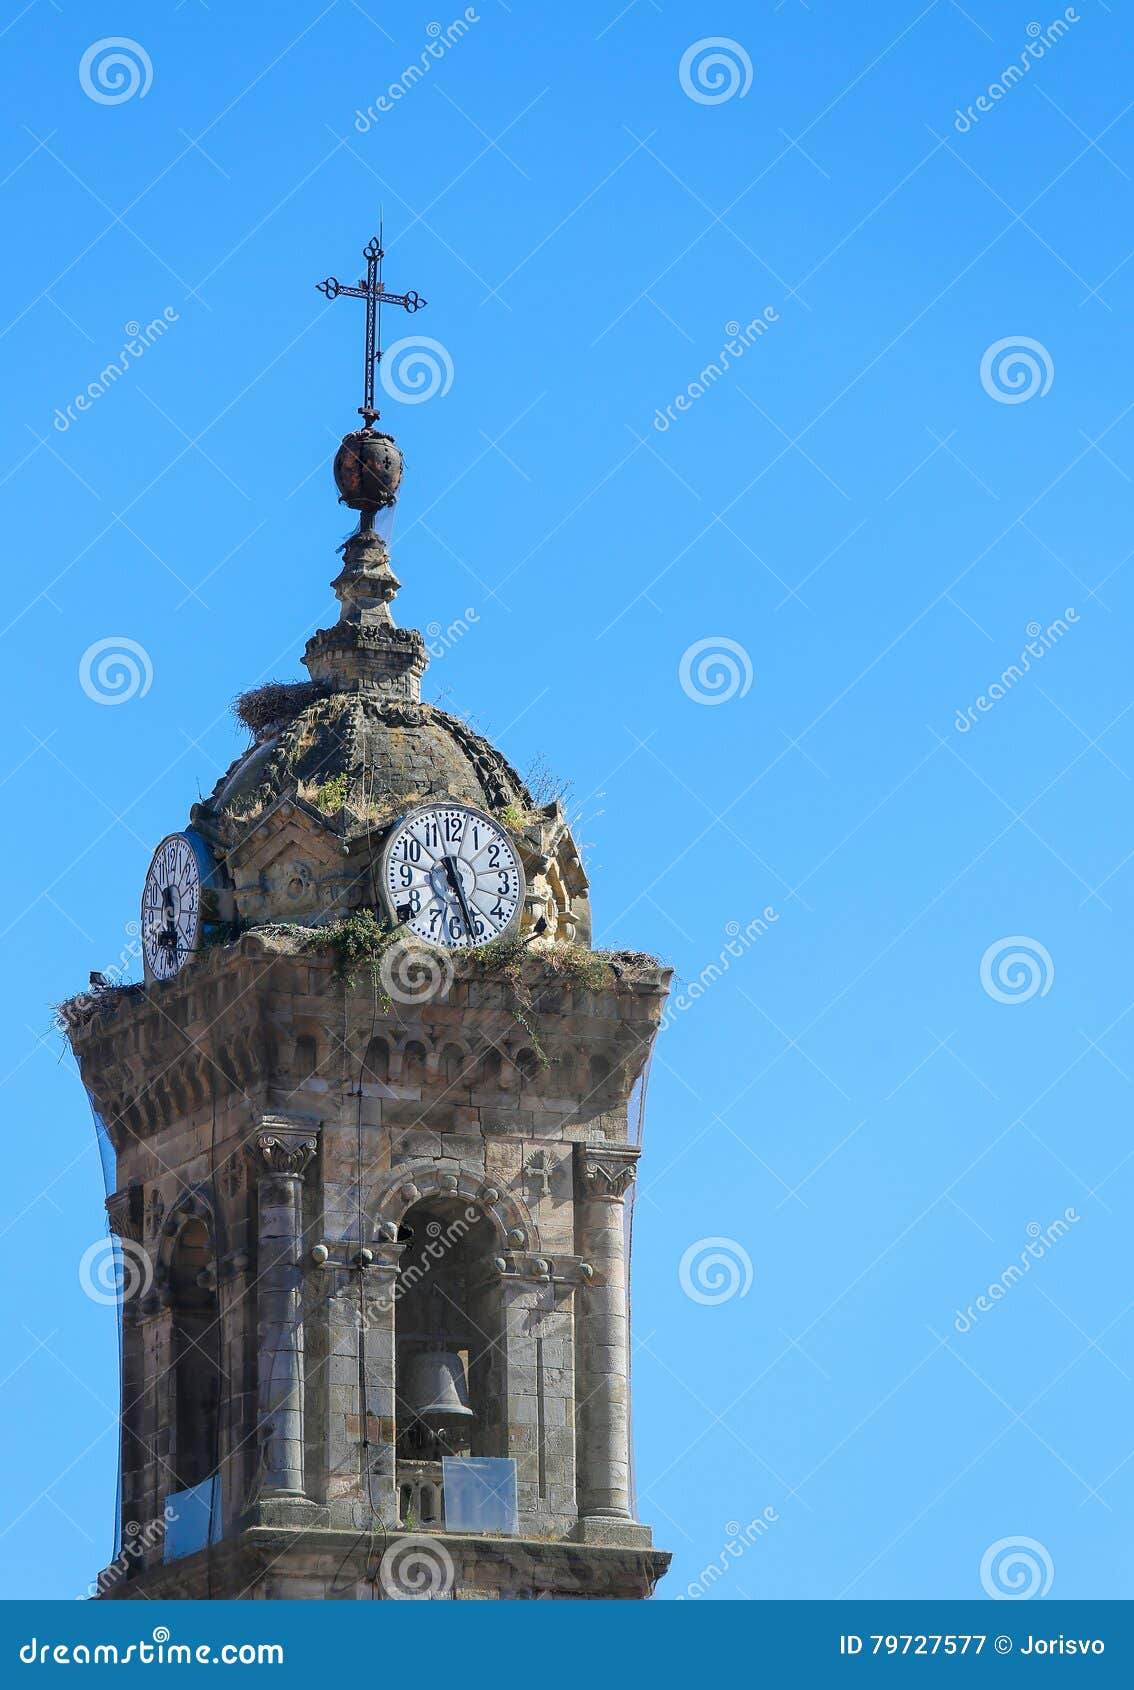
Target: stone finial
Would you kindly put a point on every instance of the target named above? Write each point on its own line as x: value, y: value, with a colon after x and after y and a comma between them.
x: 366, y: 585
x: 365, y: 649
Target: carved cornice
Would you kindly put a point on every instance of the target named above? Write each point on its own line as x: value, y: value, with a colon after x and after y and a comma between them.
x: 284, y: 1146
x: 606, y: 1171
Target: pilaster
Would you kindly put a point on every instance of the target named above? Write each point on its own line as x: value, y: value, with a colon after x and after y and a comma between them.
x: 281, y: 1153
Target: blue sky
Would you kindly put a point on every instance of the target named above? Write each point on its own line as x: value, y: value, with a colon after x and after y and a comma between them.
x: 863, y: 528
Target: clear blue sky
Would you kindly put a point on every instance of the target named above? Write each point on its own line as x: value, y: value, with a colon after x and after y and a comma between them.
x: 847, y: 1105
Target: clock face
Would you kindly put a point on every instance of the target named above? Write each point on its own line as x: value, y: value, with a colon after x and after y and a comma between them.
x: 171, y: 906
x: 452, y: 876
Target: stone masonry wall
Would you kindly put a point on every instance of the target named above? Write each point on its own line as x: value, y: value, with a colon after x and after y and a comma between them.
x: 300, y: 1119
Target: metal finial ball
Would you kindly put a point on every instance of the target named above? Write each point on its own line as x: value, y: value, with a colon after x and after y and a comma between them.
x: 368, y: 470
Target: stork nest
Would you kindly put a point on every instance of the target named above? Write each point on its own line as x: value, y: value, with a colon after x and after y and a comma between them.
x: 266, y: 708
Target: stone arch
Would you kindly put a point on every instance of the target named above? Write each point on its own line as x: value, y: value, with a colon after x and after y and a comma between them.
x: 455, y: 1062
x: 493, y: 1070
x: 190, y: 1206
x: 414, y: 1054
x: 376, y: 1060
x: 508, y: 1215
x: 305, y: 1055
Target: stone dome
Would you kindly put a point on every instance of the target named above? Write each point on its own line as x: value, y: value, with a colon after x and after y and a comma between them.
x: 296, y: 823
x: 364, y: 754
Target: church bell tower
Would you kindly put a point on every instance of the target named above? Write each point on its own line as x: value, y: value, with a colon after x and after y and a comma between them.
x: 374, y: 1114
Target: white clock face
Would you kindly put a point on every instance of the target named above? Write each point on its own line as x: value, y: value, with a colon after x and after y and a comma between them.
x: 171, y: 908
x: 452, y: 876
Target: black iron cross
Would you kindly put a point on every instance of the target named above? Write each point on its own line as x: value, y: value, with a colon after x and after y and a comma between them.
x: 370, y: 288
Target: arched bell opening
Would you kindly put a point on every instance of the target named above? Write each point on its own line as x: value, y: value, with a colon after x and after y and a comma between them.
x: 196, y: 1355
x: 448, y: 1330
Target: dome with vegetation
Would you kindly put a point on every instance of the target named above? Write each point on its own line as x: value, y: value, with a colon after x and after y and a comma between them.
x: 297, y: 821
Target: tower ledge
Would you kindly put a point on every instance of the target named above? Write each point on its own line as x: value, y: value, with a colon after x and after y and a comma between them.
x: 289, y: 1563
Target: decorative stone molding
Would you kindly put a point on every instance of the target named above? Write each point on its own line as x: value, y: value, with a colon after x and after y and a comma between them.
x: 284, y: 1145
x: 231, y: 1177
x: 192, y: 1205
x: 155, y: 1212
x: 124, y: 1212
x: 606, y: 1171
x: 507, y: 1214
x: 539, y: 1168
x: 555, y: 1270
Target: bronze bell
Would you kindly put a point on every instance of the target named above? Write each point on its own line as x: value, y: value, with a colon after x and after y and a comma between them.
x: 435, y: 1387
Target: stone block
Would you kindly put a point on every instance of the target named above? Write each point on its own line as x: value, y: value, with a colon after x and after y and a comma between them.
x: 611, y: 1533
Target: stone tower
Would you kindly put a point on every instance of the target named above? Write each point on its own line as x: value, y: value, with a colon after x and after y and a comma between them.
x: 371, y: 1190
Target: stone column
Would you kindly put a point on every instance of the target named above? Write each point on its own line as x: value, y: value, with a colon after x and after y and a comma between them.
x: 603, y: 1174
x: 282, y: 1158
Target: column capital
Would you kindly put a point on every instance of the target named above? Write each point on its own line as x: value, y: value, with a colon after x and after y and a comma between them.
x: 606, y: 1171
x: 124, y: 1213
x: 284, y: 1144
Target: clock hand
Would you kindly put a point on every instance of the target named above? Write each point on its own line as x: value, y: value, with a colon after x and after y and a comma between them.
x: 455, y: 881
x: 167, y: 938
